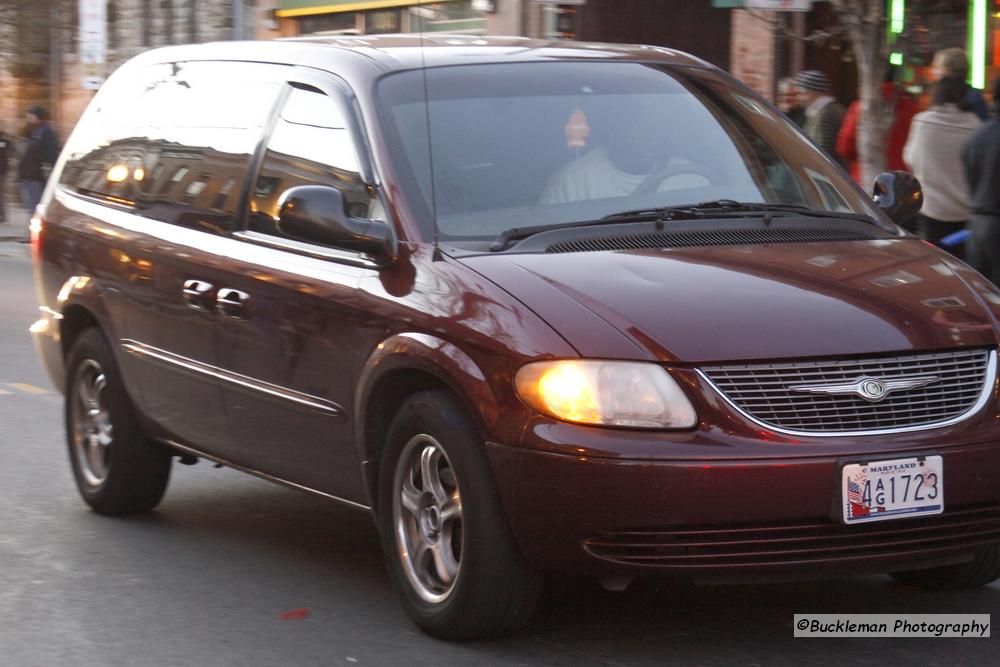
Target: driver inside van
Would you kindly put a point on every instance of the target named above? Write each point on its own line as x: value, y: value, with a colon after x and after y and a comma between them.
x: 634, y: 149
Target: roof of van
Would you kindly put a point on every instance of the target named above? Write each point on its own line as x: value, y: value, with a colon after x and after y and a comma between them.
x: 414, y: 50
x: 408, y: 51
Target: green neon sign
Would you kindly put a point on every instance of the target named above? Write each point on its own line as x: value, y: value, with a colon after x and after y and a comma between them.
x: 897, y: 22
x: 978, y: 15
x: 897, y: 16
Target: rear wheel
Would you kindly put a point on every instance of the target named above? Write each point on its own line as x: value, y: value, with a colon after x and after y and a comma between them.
x: 118, y: 470
x: 446, y: 538
x: 981, y: 570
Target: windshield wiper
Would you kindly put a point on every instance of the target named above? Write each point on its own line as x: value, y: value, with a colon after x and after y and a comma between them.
x: 712, y: 208
x: 709, y: 209
x: 508, y: 236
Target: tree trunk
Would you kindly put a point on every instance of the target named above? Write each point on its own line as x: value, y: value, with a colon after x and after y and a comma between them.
x: 865, y: 23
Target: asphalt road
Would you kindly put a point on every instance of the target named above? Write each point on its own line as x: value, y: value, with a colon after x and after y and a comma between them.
x: 208, y: 577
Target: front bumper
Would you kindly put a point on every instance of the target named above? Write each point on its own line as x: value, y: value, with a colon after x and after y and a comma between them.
x: 732, y: 518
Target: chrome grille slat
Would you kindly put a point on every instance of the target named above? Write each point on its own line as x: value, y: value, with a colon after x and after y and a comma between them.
x: 850, y: 364
x: 849, y: 372
x: 778, y: 385
x: 919, y: 359
x: 765, y: 392
x: 890, y: 410
x: 805, y: 378
x: 924, y: 399
x: 954, y: 387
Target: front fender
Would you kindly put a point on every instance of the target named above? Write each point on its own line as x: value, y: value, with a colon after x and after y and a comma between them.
x: 434, y: 356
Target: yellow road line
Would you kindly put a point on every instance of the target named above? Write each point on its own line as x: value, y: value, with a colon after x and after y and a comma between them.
x: 27, y: 388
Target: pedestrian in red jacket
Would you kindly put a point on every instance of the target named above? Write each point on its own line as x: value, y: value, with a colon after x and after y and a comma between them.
x: 902, y: 109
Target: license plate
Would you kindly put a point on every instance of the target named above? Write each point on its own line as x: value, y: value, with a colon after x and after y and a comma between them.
x: 892, y: 489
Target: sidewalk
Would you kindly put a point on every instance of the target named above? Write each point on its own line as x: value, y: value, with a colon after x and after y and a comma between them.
x: 16, y: 226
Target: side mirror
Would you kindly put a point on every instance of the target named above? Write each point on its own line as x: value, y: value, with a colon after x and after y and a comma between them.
x: 316, y: 214
x: 898, y: 193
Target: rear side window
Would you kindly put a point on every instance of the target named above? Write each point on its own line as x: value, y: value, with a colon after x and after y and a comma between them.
x: 175, y: 141
x: 310, y: 145
x: 109, y: 144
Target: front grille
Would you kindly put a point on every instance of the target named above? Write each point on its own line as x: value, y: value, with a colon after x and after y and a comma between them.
x: 784, y: 544
x: 765, y: 391
x: 709, y: 237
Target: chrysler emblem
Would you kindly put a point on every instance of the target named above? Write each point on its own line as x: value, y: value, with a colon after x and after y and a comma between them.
x: 869, y: 388
x: 874, y: 390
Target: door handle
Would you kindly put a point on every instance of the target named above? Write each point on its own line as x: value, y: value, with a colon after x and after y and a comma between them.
x: 197, y: 294
x: 232, y: 302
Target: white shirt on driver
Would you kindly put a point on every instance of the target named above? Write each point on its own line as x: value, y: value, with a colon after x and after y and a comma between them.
x: 595, y: 176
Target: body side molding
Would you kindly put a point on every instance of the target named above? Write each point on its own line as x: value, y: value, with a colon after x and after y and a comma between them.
x: 191, y: 366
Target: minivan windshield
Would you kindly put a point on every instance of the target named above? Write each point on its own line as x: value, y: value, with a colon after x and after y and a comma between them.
x: 529, y: 144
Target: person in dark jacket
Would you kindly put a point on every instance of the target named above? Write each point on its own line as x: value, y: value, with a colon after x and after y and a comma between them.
x: 824, y: 115
x: 40, y: 153
x: 4, y: 161
x: 981, y: 158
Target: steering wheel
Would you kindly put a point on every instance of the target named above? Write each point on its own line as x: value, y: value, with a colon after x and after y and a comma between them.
x: 652, y: 182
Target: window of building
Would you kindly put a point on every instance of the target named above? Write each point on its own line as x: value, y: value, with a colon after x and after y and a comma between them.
x: 341, y: 22
x: 383, y: 21
x: 456, y: 17
x: 561, y: 21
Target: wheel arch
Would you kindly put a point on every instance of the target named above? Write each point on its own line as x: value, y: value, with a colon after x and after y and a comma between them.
x: 401, y: 366
x: 80, y: 304
x: 76, y: 318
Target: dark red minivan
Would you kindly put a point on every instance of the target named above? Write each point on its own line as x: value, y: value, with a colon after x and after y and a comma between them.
x: 535, y: 306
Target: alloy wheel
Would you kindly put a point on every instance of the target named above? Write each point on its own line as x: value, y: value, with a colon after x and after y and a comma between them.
x: 91, y: 422
x: 427, y: 516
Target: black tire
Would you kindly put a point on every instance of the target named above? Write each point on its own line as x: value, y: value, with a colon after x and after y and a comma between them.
x: 494, y: 591
x: 980, y: 571
x: 118, y: 470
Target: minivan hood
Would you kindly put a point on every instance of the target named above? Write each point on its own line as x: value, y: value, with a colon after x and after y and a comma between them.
x: 749, y: 302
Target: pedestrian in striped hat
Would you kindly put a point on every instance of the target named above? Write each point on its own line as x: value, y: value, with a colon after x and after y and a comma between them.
x: 824, y: 115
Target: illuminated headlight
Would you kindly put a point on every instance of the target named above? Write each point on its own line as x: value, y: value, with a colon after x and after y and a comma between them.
x: 606, y: 393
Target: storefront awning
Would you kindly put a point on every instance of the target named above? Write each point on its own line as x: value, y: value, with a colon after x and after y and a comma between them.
x: 291, y: 8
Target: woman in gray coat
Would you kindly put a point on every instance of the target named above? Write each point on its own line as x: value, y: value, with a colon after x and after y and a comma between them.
x: 933, y: 152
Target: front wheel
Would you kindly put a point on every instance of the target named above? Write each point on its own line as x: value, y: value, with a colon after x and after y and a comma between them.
x: 981, y: 570
x: 446, y: 538
x: 118, y: 470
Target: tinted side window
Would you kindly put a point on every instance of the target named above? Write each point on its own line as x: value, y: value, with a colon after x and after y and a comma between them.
x: 110, y: 142
x: 177, y: 145
x: 310, y: 146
